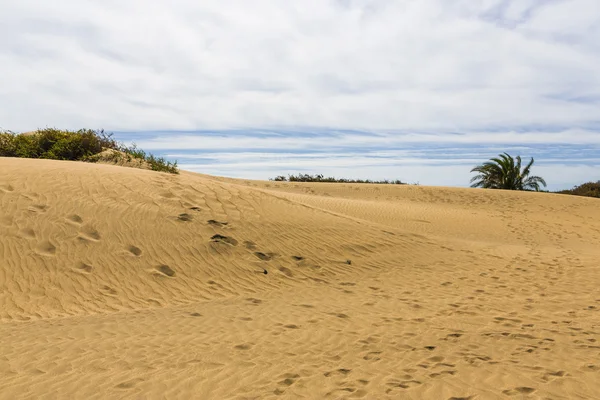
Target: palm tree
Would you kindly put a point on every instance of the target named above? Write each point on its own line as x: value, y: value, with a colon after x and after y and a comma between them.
x: 503, y: 172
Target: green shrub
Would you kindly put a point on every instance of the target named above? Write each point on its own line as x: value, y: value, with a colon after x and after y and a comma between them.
x: 588, y: 189
x: 81, y: 145
x: 7, y: 144
x: 321, y: 178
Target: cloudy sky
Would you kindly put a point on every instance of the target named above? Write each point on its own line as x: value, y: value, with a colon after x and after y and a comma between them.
x: 419, y: 90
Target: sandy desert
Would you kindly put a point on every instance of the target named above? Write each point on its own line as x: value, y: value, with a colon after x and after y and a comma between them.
x: 125, y: 283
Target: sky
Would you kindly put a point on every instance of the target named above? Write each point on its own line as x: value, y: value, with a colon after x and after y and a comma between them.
x: 417, y: 90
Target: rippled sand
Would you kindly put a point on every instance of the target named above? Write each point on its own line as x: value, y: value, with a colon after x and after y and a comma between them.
x: 124, y: 283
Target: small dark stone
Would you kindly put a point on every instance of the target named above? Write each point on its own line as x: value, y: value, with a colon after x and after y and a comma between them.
x: 349, y: 262
x: 265, y: 272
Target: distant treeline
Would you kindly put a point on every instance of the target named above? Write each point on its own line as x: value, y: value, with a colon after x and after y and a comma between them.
x: 82, y: 145
x: 321, y: 178
x: 589, y: 189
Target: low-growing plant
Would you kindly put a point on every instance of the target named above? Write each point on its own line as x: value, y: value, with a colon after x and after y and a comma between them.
x: 321, y: 178
x: 588, y: 189
x: 82, y: 145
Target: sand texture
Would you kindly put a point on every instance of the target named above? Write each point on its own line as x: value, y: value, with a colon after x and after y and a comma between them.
x: 125, y: 283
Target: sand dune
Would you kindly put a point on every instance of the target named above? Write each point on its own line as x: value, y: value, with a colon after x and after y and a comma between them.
x: 125, y: 283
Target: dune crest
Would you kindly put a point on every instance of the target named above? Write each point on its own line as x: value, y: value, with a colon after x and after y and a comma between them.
x: 118, y: 282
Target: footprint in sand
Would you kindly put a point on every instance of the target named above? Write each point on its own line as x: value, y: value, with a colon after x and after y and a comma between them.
x: 518, y: 390
x: 6, y: 188
x: 129, y: 384
x: 27, y: 233
x: 286, y: 271
x: 394, y: 384
x: 263, y: 256
x: 168, y: 195
x: 89, y: 233
x: 6, y: 220
x: 38, y: 208
x: 372, y: 356
x: 107, y: 290
x: 134, y: 250
x: 84, y: 268
x: 250, y: 245
x: 164, y: 270
x: 289, y: 379
x: 74, y: 219
x: 340, y: 371
x: 46, y: 248
x: 185, y: 217
x: 216, y: 223
x: 224, y: 239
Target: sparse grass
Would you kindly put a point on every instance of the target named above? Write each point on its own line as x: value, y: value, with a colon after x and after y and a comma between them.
x: 321, y: 178
x: 588, y: 189
x: 82, y: 145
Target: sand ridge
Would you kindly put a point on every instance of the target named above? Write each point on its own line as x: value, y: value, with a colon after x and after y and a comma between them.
x: 125, y: 283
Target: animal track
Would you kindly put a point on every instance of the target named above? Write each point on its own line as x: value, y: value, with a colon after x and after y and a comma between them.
x: 286, y: 271
x: 298, y: 258
x: 224, y: 239
x: 250, y: 245
x: 136, y: 251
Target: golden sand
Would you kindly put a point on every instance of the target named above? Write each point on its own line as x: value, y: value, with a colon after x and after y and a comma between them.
x: 125, y: 283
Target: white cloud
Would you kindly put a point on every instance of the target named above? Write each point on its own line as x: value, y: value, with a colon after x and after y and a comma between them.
x: 402, y: 74
x: 380, y: 64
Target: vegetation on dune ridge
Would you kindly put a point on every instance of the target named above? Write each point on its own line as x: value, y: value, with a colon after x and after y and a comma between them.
x: 82, y: 145
x: 321, y: 178
x: 504, y: 172
x: 588, y: 189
